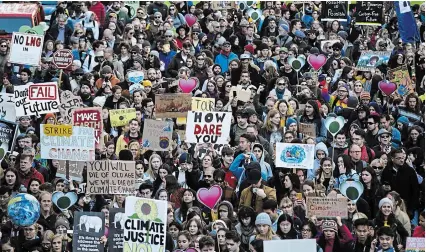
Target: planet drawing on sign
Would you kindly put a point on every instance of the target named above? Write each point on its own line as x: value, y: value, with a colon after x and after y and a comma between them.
x: 293, y: 154
x: 23, y: 210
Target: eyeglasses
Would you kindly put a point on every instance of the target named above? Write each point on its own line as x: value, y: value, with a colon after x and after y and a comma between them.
x: 195, y: 33
x: 134, y: 53
x: 385, y: 136
x: 336, y: 49
x: 281, y: 84
x: 377, y: 167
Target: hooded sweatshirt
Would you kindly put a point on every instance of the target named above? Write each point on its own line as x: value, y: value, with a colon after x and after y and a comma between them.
x: 94, y: 25
x: 312, y: 172
x: 266, y: 170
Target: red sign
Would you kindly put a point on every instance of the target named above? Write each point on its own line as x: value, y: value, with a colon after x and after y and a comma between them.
x: 89, y: 117
x: 63, y: 58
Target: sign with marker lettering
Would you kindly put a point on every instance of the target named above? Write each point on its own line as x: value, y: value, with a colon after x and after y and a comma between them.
x: 7, y: 107
x: 56, y: 144
x: 326, y: 207
x: 69, y: 102
x: 26, y: 48
x: 157, y: 135
x: 208, y: 127
x: 369, y: 12
x: 415, y: 244
x: 36, y: 99
x: 89, y: 117
x: 334, y: 10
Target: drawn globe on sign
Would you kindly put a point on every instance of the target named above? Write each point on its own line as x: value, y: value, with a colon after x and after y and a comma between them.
x: 146, y: 210
x: 23, y: 210
x: 293, y: 154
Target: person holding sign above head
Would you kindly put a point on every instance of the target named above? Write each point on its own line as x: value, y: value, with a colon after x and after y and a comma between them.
x: 335, y: 235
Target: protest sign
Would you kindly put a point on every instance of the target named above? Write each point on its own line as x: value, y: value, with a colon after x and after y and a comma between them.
x: 80, y: 146
x: 121, y: 117
x: 89, y: 117
x: 369, y: 13
x: 241, y: 94
x: 69, y: 102
x: 172, y: 105
x: 291, y: 155
x: 145, y: 225
x: 36, y: 99
x: 157, y: 135
x: 290, y: 245
x: 326, y: 46
x: 401, y: 77
x: 75, y: 170
x: 116, y: 229
x: 62, y: 59
x: 7, y: 107
x: 88, y: 228
x: 415, y: 244
x: 8, y: 130
x: 308, y: 129
x: 326, y: 207
x: 208, y: 127
x: 372, y: 59
x: 26, y: 48
x: 110, y: 177
x: 334, y: 10
x: 198, y: 104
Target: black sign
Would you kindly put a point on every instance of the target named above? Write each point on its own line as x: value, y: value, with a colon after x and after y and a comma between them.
x: 89, y: 227
x: 116, y: 232
x: 334, y: 10
x: 369, y: 12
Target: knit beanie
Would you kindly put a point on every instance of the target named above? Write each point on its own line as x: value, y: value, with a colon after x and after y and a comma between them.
x: 263, y: 219
x: 384, y: 201
x: 403, y: 120
x: 61, y: 221
x: 365, y: 95
x: 249, y: 48
x: 289, y: 121
x: 329, y: 225
x: 138, y: 59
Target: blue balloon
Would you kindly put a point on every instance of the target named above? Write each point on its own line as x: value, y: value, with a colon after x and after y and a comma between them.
x: 23, y: 210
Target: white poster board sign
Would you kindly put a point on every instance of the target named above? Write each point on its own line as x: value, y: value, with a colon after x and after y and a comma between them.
x: 26, y: 48
x: 305, y: 245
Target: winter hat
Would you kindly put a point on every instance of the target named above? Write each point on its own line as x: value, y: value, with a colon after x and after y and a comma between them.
x: 136, y: 48
x: 145, y: 43
x: 99, y: 101
x: 61, y: 221
x: 285, y: 27
x: 244, y: 22
x: 201, y: 35
x: 106, y: 70
x: 155, y: 53
x: 300, y: 34
x: 263, y: 219
x: 365, y: 95
x: 384, y: 201
x: 403, y: 120
x: 342, y: 34
x: 184, y: 158
x: 314, y: 50
x: 329, y: 225
x: 138, y: 59
x: 249, y: 48
x: 289, y: 121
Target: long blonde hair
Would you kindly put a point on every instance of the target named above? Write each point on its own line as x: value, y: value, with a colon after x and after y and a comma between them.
x: 150, y: 171
x: 269, y: 235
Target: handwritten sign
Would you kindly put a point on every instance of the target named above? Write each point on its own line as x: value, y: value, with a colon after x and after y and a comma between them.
x: 291, y: 155
x: 110, y: 177
x: 36, y: 99
x: 172, y: 105
x: 208, y: 127
x: 308, y: 129
x: 80, y: 146
x: 121, y: 117
x: 88, y: 228
x: 75, y: 170
x: 369, y: 12
x: 26, y: 48
x: 69, y: 102
x: 415, y: 244
x: 198, y: 104
x: 401, y: 77
x: 7, y: 107
x: 57, y: 130
x: 157, y: 135
x: 290, y: 245
x: 326, y: 207
x: 89, y: 117
x: 372, y: 59
x: 334, y: 10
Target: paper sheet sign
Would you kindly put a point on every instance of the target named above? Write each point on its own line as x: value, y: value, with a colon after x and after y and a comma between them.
x: 36, y: 99
x: 415, y: 244
x: 326, y: 207
x: 199, y: 104
x: 157, y: 135
x: 26, y: 48
x: 290, y: 245
x: 308, y: 129
x: 121, y: 117
x: 291, y: 155
x: 242, y: 94
x: 7, y: 107
x: 208, y: 127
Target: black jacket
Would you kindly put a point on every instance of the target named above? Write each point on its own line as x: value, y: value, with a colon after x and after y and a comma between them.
x: 53, y: 32
x: 174, y: 66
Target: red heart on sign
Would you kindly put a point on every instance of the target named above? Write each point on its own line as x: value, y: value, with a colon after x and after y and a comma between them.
x: 187, y: 85
x: 387, y: 87
x: 210, y: 197
x: 317, y: 61
x: 190, y: 19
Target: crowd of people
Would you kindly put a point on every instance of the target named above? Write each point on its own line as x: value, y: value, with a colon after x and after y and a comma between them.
x: 381, y: 144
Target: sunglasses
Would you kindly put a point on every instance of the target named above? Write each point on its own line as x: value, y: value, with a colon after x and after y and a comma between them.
x: 157, y: 17
x: 3, y: 45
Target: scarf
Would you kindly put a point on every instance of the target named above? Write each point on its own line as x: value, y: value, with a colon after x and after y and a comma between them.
x: 246, y: 232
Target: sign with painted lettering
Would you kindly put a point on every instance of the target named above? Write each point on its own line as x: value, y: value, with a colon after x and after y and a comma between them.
x: 157, y: 135
x: 334, y: 10
x: 369, y: 12
x: 89, y: 117
x: 69, y: 102
x: 36, y: 99
x: 208, y: 127
x: 326, y: 207
x: 26, y: 48
x: 7, y: 107
x: 63, y: 58
x: 121, y: 117
x: 415, y: 244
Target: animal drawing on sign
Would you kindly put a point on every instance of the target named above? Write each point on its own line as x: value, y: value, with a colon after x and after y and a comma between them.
x: 90, y: 222
x: 119, y: 218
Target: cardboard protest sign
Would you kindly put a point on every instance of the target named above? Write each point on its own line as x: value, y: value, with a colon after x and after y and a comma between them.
x: 401, y: 77
x: 145, y: 224
x: 157, y: 135
x: 308, y: 129
x: 326, y: 46
x: 116, y: 229
x: 290, y: 245
x: 57, y: 142
x: 291, y: 155
x: 7, y: 107
x: 89, y: 117
x: 208, y: 127
x: 8, y: 131
x: 121, y: 117
x: 415, y: 244
x: 172, y: 105
x: 69, y: 102
x: 334, y: 10
x: 199, y: 104
x: 326, y: 207
x: 26, y: 48
x: 88, y: 228
x: 75, y: 170
x: 369, y: 13
x: 240, y: 93
x: 110, y: 177
x: 372, y: 59
x: 36, y: 99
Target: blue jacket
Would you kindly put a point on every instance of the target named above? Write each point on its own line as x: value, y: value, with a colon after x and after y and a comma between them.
x: 223, y: 60
x: 166, y: 58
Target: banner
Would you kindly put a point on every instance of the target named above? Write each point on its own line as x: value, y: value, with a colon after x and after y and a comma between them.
x: 121, y: 117
x: 290, y: 245
x: 88, y: 229
x: 172, y: 105
x: 145, y: 225
x: 291, y: 155
x: 69, y: 102
x: 8, y: 132
x: 116, y: 229
x: 57, y: 142
x: 36, y: 99
x: 7, y: 107
x: 308, y: 129
x: 401, y: 77
x: 407, y: 25
x: 26, y: 48
x: 369, y: 60
x: 415, y: 244
x: 199, y: 104
x: 334, y: 10
x: 110, y: 177
x: 89, y: 117
x: 208, y: 127
x: 75, y: 170
x: 369, y: 13
x: 326, y: 207
x: 157, y: 135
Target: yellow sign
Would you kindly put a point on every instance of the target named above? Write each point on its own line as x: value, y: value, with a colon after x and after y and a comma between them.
x: 57, y: 130
x: 121, y: 117
x: 199, y: 104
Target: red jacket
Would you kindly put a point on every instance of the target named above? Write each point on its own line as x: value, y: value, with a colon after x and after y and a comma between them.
x: 25, y: 179
x: 230, y: 178
x: 364, y: 154
x: 419, y: 232
x: 99, y: 10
